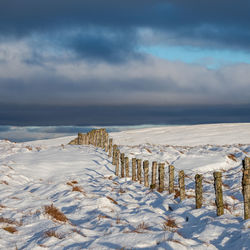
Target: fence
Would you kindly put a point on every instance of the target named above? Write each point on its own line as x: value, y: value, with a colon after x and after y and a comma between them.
x: 100, y: 138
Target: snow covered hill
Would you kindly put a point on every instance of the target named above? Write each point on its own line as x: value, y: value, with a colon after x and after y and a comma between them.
x: 59, y: 196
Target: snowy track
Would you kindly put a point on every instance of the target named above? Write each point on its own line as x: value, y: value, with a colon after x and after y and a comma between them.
x: 105, y: 212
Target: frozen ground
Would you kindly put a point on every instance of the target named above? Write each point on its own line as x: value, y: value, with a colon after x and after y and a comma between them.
x: 106, y: 212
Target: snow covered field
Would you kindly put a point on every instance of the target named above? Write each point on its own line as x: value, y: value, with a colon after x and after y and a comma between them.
x: 101, y: 211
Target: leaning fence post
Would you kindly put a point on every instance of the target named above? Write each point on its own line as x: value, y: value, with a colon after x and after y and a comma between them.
x: 153, y: 177
x: 138, y: 161
x: 145, y: 168
x: 122, y: 165
x: 133, y: 169
x: 246, y: 187
x: 114, y: 154
x: 171, y: 179
x: 182, y: 185
x: 218, y: 193
x: 198, y: 190
x: 117, y: 156
x: 127, y: 166
x: 161, y: 176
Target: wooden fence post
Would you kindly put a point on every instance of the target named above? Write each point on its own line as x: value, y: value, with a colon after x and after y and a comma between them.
x: 122, y: 165
x: 80, y: 139
x: 218, y: 193
x: 138, y: 161
x: 171, y: 179
x: 246, y: 187
x: 198, y: 190
x: 182, y: 185
x: 106, y: 143
x: 127, y: 166
x: 110, y: 146
x: 161, y: 176
x: 114, y: 154
x: 133, y: 169
x: 117, y: 156
x: 145, y: 168
x: 153, y: 177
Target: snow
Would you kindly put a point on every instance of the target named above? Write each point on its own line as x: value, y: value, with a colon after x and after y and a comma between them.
x: 108, y: 212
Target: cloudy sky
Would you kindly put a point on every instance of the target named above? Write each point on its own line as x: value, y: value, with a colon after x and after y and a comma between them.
x: 61, y: 59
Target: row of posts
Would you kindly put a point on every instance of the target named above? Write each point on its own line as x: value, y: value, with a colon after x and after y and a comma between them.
x: 100, y: 138
x: 137, y: 176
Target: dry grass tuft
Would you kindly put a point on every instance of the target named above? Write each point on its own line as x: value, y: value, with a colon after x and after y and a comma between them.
x: 176, y: 193
x: 29, y: 148
x: 74, y: 182
x: 55, y: 213
x: 10, y: 221
x: 77, y: 189
x: 52, y: 233
x: 10, y: 229
x: 149, y: 150
x: 112, y: 200
x: 101, y: 216
x: 2, y: 206
x: 232, y: 157
x: 4, y: 182
x: 142, y: 226
x: 122, y: 191
x: 169, y: 225
x: 78, y: 232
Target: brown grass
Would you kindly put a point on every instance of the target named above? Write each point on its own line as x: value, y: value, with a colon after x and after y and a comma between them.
x: 232, y: 157
x: 139, y: 229
x: 52, y: 233
x: 29, y: 148
x: 176, y: 193
x: 77, y: 189
x: 2, y: 206
x: 101, y: 216
x: 10, y: 229
x: 149, y: 150
x: 4, y: 182
x: 169, y: 224
x: 122, y: 191
x: 55, y: 213
x: 112, y: 200
x: 10, y: 221
x: 78, y: 232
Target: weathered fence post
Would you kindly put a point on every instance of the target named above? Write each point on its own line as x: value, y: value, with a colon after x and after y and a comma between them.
x: 182, y: 185
x: 133, y: 169
x: 153, y: 177
x: 171, y: 179
x: 114, y: 154
x: 161, y: 176
x: 110, y: 146
x: 106, y: 143
x: 122, y: 165
x: 246, y: 187
x: 218, y: 193
x: 117, y: 156
x: 80, y: 139
x: 198, y: 190
x: 127, y: 166
x: 146, y: 168
x: 138, y: 161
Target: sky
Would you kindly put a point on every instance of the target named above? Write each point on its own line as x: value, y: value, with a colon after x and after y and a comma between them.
x: 78, y: 62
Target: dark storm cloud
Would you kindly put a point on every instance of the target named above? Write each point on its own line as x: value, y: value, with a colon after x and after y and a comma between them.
x: 205, y: 23
x: 21, y: 115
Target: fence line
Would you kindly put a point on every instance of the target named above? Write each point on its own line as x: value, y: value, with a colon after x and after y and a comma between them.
x: 100, y: 138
